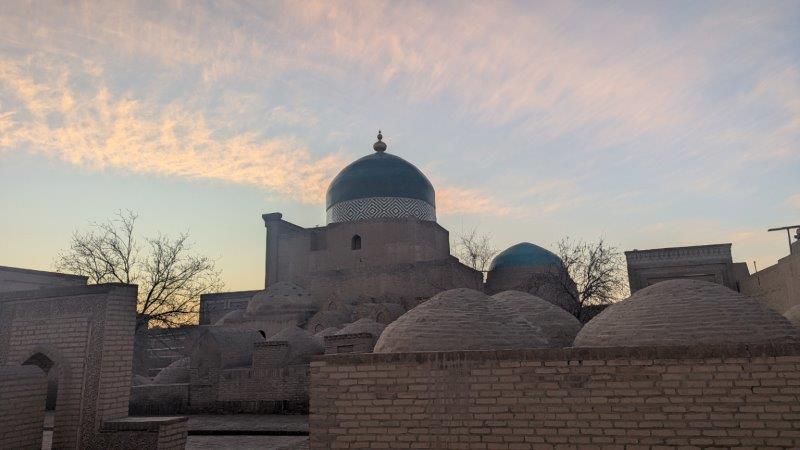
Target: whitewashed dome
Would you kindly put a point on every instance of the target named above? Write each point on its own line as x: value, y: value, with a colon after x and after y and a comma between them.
x: 461, y: 319
x: 685, y: 312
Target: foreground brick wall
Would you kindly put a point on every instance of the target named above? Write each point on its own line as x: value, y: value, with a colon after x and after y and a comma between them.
x: 724, y: 396
x: 159, y: 399
x: 87, y: 333
x: 349, y: 343
x: 264, y: 390
x: 22, y: 393
x: 134, y: 433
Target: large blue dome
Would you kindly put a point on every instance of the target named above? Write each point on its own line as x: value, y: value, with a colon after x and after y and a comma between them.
x: 380, y: 185
x: 524, y: 254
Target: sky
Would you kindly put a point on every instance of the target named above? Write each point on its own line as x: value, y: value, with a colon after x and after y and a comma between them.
x: 652, y: 124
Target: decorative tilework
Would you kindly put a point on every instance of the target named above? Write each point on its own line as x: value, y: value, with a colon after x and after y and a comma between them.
x: 379, y: 207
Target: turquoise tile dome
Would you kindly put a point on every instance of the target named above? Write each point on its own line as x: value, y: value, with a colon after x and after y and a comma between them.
x: 380, y: 175
x: 524, y: 254
x: 380, y: 185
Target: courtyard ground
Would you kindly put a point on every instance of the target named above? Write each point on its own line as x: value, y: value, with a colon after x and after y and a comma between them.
x: 239, y: 431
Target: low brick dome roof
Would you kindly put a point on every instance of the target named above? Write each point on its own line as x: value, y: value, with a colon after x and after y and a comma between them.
x: 302, y: 344
x: 364, y: 325
x: 328, y: 319
x: 685, y: 312
x: 235, y: 316
x: 326, y: 332
x: 552, y: 323
x: 176, y: 372
x: 793, y: 315
x: 461, y: 319
x: 281, y: 297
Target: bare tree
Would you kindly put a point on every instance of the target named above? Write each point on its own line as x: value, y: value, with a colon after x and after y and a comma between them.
x: 591, y: 275
x: 474, y: 249
x: 170, y: 277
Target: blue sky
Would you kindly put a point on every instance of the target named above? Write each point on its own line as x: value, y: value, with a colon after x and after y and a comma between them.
x: 653, y: 124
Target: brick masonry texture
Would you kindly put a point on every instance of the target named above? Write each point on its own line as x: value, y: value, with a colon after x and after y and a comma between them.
x: 133, y: 433
x: 87, y: 332
x: 22, y: 394
x: 745, y: 396
x: 684, y: 312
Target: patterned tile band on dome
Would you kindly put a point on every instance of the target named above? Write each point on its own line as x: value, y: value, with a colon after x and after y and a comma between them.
x: 380, y: 207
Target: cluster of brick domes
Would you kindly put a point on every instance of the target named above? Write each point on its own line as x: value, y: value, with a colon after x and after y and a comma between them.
x: 673, y: 312
x: 465, y: 319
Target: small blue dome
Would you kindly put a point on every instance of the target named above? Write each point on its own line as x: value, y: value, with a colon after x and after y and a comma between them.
x: 524, y: 254
x: 380, y: 175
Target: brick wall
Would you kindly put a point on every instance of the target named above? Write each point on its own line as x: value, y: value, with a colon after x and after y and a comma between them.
x: 18, y: 279
x: 349, y: 343
x: 777, y: 286
x: 265, y: 390
x: 133, y: 433
x: 86, y: 333
x: 22, y: 393
x: 724, y: 396
x: 159, y: 399
x: 270, y: 354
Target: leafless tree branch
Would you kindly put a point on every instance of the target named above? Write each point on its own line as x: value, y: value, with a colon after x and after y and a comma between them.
x: 591, y: 274
x: 474, y: 249
x: 170, y: 276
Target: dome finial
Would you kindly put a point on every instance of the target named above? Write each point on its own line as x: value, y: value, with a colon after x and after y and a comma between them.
x: 379, y: 146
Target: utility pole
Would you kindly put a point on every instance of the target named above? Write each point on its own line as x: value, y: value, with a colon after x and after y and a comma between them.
x: 788, y: 234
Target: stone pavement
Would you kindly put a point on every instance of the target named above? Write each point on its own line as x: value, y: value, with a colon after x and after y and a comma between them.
x: 247, y: 431
x: 247, y: 442
x: 226, y: 423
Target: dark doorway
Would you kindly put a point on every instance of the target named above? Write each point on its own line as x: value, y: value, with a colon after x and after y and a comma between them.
x: 52, y: 370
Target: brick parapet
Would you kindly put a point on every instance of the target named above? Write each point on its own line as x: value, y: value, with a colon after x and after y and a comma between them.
x: 692, y: 396
x: 781, y: 348
x: 712, y: 252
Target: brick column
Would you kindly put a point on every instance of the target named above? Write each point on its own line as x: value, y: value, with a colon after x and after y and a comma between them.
x: 272, y: 222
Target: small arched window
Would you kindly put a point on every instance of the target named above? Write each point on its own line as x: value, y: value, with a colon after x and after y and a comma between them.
x: 355, y: 243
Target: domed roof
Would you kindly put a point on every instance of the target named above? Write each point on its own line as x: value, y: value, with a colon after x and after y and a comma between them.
x: 462, y: 319
x: 326, y: 332
x: 364, y: 325
x: 380, y: 185
x: 141, y: 380
x: 327, y: 319
x: 524, y: 254
x: 235, y: 316
x: 685, y: 312
x: 554, y: 324
x: 176, y: 372
x: 233, y: 347
x: 793, y: 315
x: 302, y: 344
x: 384, y: 313
x: 281, y: 297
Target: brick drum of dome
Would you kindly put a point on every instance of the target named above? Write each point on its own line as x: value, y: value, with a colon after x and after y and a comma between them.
x: 685, y: 312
